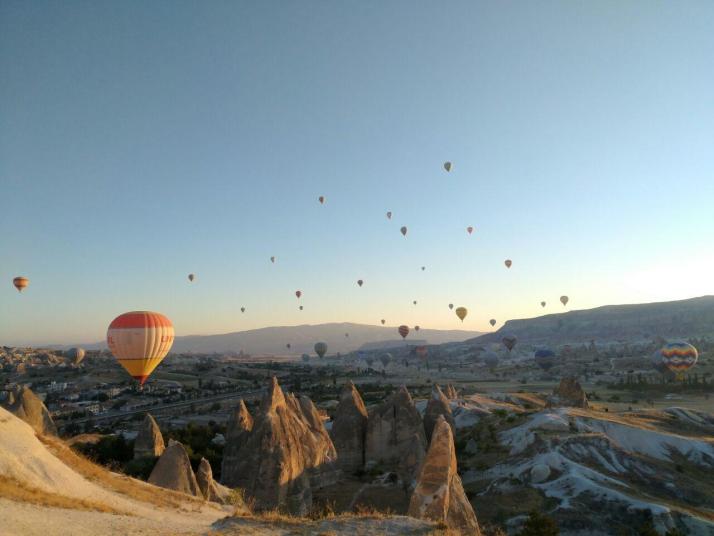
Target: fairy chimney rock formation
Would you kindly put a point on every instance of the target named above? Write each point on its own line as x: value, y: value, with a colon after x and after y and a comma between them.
x: 283, y: 455
x: 349, y: 428
x: 239, y: 426
x: 392, y: 429
x: 210, y: 489
x: 438, y: 405
x: 439, y: 495
x: 25, y: 405
x: 451, y: 393
x: 149, y: 442
x: 173, y: 471
x: 568, y: 393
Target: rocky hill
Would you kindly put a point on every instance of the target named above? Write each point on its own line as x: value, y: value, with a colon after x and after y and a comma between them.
x: 676, y: 319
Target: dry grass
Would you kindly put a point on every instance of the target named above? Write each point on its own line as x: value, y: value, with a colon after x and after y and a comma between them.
x: 131, y: 488
x: 16, y: 491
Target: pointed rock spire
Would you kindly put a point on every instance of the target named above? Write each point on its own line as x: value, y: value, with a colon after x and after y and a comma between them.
x: 273, y: 398
x: 438, y: 405
x: 149, y: 443
x: 173, y: 471
x: 349, y: 429
x: 25, y: 405
x: 439, y: 495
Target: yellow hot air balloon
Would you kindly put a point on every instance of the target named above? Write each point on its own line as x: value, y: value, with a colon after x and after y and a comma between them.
x: 140, y: 340
x: 461, y: 312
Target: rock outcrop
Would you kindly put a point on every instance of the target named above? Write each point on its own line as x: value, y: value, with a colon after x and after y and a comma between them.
x: 439, y: 495
x: 173, y: 471
x: 28, y: 407
x: 568, y: 393
x: 210, y: 489
x: 392, y: 429
x: 349, y: 428
x: 149, y: 442
x: 451, y: 393
x: 238, y: 429
x: 438, y: 405
x: 284, y: 455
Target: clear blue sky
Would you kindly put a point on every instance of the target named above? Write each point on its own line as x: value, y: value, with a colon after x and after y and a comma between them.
x: 141, y: 141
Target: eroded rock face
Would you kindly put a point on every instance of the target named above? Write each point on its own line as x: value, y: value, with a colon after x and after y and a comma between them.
x: 438, y: 405
x: 349, y: 429
x: 392, y: 429
x: 451, y: 393
x: 173, y: 471
x: 568, y: 393
x: 149, y: 442
x: 210, y: 489
x: 439, y: 495
x: 238, y: 429
x: 285, y: 453
x: 25, y: 405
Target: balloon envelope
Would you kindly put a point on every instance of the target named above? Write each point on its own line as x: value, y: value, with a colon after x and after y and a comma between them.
x: 76, y: 355
x: 321, y: 349
x: 451, y: 306
x: 191, y: 277
x: 461, y: 312
x: 321, y: 199
x: 679, y: 356
x: 140, y: 340
x: 272, y: 259
x: 389, y: 215
x: 447, y: 166
x: 492, y: 322
x: 242, y: 309
x: 403, y: 230
x: 509, y: 342
x: 298, y: 293
x: 542, y: 304
x: 508, y: 263
x: 416, y: 328
x: 545, y: 358
x: 403, y: 331
x: 469, y: 229
x: 360, y: 282
x: 383, y: 321
x: 564, y: 300
x: 20, y: 283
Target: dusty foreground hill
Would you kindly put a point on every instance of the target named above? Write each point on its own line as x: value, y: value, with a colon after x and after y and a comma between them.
x: 46, y: 489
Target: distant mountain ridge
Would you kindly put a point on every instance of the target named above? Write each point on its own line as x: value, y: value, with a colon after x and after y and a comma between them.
x: 692, y: 317
x: 272, y: 340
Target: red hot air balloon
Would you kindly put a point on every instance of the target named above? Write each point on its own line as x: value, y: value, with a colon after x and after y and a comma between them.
x: 360, y: 282
x: 321, y: 199
x: 469, y: 229
x: 403, y: 230
x: 508, y: 263
x: 298, y: 293
x: 403, y: 331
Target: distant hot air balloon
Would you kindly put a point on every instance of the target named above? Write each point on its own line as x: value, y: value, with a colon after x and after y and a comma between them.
x: 389, y: 215
x: 451, y: 306
x: 564, y: 300
x: 679, y: 357
x: 508, y: 263
x: 347, y: 335
x: 545, y: 358
x: 360, y: 282
x: 383, y: 321
x: 191, y: 277
x: 321, y: 199
x: 385, y: 359
x: 305, y: 358
x: 321, y: 349
x: 403, y: 230
x: 300, y: 307
x: 461, y: 312
x: 469, y: 229
x: 414, y: 302
x: 509, y: 341
x: 298, y: 293
x: 403, y: 331
x: 416, y: 328
x: 542, y: 304
x: 242, y: 309
x: 140, y: 340
x: 287, y: 346
x: 20, y: 283
x: 492, y: 322
x: 76, y: 355
x: 658, y: 362
x: 272, y: 259
x: 423, y: 268
x: 447, y: 166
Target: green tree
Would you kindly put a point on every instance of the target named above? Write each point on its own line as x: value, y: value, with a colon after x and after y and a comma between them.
x: 539, y: 524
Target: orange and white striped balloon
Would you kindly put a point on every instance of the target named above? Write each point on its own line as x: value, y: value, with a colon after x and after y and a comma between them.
x: 140, y: 340
x: 20, y: 283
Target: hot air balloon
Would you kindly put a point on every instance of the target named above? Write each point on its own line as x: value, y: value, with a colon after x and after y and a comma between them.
x: 140, y: 340
x: 76, y: 355
x: 385, y: 359
x: 658, y: 362
x: 242, y: 309
x: 509, y: 341
x: 287, y: 346
x: 447, y: 166
x: 321, y: 349
x: 403, y: 230
x: 508, y: 263
x: 545, y: 358
x: 300, y: 307
x: 321, y: 199
x: 416, y: 328
x: 490, y: 358
x: 679, y: 357
x: 423, y: 268
x: 461, y: 312
x: 492, y: 322
x: 272, y: 259
x: 389, y: 215
x: 298, y: 293
x: 347, y: 335
x: 403, y: 331
x: 360, y: 282
x: 564, y: 300
x: 20, y: 283
x: 542, y: 304
x: 305, y: 358
x: 383, y: 321
x: 191, y: 277
x: 451, y: 306
x: 469, y: 229
x: 414, y: 302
